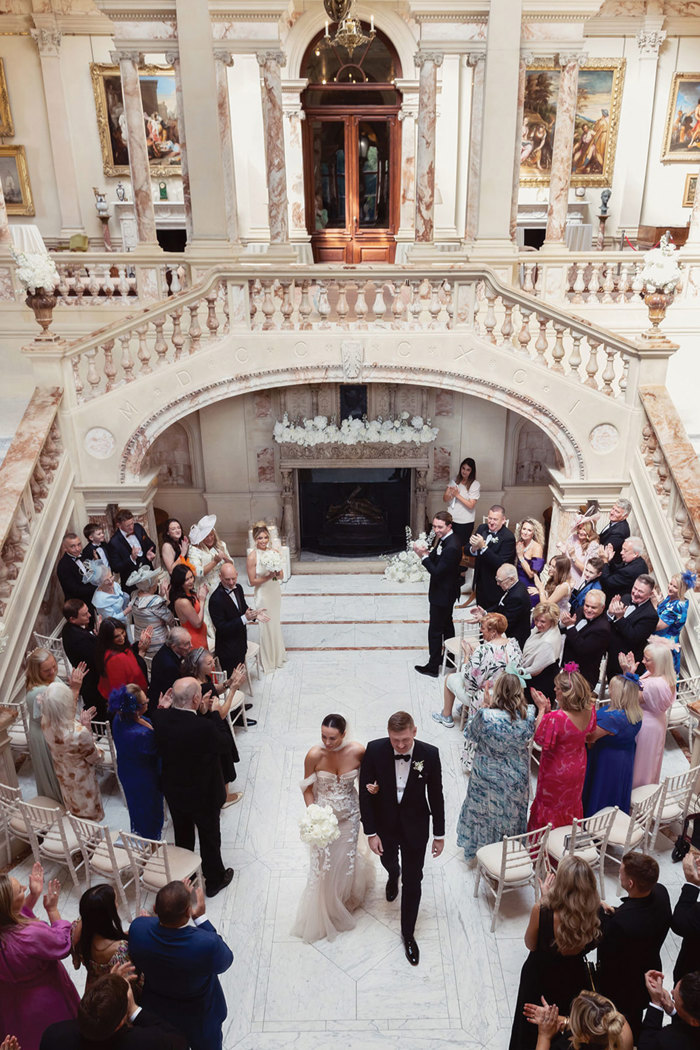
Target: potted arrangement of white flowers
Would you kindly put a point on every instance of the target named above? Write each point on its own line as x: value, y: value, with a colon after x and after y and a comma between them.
x: 660, y: 279
x: 320, y: 431
x: 37, y: 274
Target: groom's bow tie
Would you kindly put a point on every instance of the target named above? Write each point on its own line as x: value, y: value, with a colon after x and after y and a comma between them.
x: 402, y: 758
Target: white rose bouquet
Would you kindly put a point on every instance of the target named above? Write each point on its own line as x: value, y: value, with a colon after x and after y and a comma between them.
x: 319, y: 826
x: 36, y: 270
x: 270, y: 561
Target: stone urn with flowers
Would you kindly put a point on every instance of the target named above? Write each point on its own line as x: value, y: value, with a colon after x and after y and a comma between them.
x: 660, y: 279
x: 38, y: 276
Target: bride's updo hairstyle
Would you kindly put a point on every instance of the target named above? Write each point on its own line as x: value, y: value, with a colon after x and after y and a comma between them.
x: 335, y: 722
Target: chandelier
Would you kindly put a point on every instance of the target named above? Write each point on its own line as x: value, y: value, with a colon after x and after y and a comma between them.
x: 349, y: 33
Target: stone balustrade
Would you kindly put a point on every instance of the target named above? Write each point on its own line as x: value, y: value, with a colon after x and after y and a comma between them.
x: 596, y: 277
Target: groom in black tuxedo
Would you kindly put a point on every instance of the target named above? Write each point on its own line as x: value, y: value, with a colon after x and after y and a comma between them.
x: 443, y: 563
x: 400, y: 789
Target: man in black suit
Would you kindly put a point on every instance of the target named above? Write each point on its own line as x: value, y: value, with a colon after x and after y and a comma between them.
x: 79, y: 643
x: 192, y: 779
x: 632, y: 936
x: 618, y: 579
x: 108, y: 1017
x: 400, y: 789
x: 632, y: 619
x: 686, y: 919
x: 492, y: 544
x: 95, y: 546
x: 587, y: 636
x: 683, y: 1006
x: 443, y: 563
x: 231, y: 615
x: 72, y: 570
x: 130, y: 547
x: 616, y: 531
x: 514, y: 604
x: 165, y: 666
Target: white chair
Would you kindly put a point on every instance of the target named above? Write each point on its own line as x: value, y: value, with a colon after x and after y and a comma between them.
x: 101, y: 857
x: 253, y: 660
x: 631, y: 831
x: 587, y: 839
x: 102, y: 732
x: 54, y: 644
x: 18, y: 732
x: 238, y: 707
x: 519, y: 860
x: 13, y: 823
x: 454, y: 648
x: 51, y: 836
x: 156, y: 863
x: 672, y: 800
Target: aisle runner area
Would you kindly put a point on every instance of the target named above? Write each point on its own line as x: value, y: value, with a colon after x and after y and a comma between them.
x: 353, y: 641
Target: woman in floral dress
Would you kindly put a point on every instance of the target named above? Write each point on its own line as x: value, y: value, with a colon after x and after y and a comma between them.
x: 673, y: 611
x: 73, y: 750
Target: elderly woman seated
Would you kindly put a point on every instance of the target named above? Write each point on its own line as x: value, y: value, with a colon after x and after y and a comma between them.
x: 485, y: 664
x: 109, y: 599
x: 150, y: 606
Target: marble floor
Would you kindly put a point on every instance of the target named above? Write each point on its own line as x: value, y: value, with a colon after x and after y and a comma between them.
x: 353, y: 640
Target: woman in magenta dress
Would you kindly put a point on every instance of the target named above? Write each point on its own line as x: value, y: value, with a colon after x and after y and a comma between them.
x: 35, y: 989
x: 658, y: 693
x: 562, y: 736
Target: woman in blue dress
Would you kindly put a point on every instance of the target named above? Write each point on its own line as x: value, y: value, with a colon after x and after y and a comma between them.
x: 612, y: 747
x: 497, y: 796
x: 137, y: 760
x: 673, y: 611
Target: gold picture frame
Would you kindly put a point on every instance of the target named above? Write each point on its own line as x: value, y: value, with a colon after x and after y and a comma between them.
x: 689, y: 190
x: 681, y: 139
x: 600, y: 83
x: 14, y: 176
x: 160, y: 115
x: 7, y: 127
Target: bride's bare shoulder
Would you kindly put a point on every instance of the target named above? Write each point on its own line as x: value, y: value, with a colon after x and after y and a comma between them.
x: 357, y: 748
x: 314, y: 753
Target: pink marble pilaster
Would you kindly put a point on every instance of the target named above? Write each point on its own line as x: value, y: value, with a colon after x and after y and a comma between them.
x: 560, y: 177
x: 138, y: 149
x: 525, y: 60
x: 477, y: 60
x: 223, y: 61
x: 694, y: 232
x: 271, y: 62
x: 427, y: 62
x: 4, y: 224
x: 173, y: 59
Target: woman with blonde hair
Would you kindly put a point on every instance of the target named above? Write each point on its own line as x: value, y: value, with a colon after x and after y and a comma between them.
x: 612, y: 747
x: 40, y: 672
x: 542, y: 650
x: 593, y: 1021
x: 564, y: 926
x: 582, y: 546
x: 529, y: 550
x: 673, y: 611
x: 562, y: 736
x: 73, y: 750
x: 268, y: 597
x: 658, y: 694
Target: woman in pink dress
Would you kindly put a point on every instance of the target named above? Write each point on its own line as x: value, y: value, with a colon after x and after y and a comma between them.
x: 658, y: 693
x: 35, y: 989
x: 562, y: 736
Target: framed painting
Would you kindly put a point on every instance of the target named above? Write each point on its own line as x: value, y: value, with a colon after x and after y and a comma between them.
x: 7, y: 128
x: 682, y: 131
x: 159, y: 114
x: 596, y: 126
x: 689, y: 191
x: 14, y: 177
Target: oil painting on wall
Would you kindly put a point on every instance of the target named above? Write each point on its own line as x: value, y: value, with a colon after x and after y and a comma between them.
x: 14, y: 176
x: 682, y: 132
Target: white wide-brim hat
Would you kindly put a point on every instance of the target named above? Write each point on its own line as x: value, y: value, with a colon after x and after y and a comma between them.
x: 143, y: 578
x: 202, y: 528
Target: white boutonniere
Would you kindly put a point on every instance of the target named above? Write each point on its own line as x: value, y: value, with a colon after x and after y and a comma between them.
x: 439, y: 548
x: 418, y: 766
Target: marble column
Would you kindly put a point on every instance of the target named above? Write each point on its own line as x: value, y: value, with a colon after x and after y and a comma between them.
x: 427, y: 62
x: 649, y: 41
x: 560, y: 178
x: 5, y: 239
x: 477, y: 61
x: 271, y: 63
x: 138, y: 150
x: 173, y: 59
x: 223, y: 60
x: 408, y: 116
x: 525, y: 60
x: 48, y: 41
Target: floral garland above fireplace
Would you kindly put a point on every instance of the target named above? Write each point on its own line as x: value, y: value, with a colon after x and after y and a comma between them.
x: 319, y: 431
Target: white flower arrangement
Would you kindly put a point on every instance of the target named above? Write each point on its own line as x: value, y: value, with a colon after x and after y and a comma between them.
x: 661, y: 272
x: 270, y: 561
x: 35, y: 270
x: 319, y: 826
x: 319, y: 431
x: 406, y: 566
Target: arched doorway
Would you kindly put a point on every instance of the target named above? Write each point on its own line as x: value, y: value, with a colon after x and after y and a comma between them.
x: 352, y: 149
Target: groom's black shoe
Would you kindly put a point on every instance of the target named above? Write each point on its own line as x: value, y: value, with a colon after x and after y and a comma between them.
x: 426, y: 669
x: 392, y: 889
x: 411, y: 949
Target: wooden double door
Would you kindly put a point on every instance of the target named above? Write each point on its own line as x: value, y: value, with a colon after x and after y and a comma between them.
x: 352, y: 177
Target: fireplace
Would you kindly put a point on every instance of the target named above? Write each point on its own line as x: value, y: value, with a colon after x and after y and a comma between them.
x: 355, y: 511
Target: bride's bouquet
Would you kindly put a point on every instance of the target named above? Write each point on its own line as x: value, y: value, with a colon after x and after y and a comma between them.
x: 319, y: 826
x: 270, y: 561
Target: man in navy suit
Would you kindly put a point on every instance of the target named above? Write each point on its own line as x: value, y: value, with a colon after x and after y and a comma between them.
x: 400, y: 789
x: 442, y: 562
x: 180, y: 964
x: 130, y: 547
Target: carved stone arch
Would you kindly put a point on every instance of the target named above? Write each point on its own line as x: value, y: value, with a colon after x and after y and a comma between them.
x: 187, y: 471
x: 520, y: 429
x: 136, y: 448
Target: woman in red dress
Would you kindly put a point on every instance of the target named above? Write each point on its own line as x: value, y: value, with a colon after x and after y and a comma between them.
x: 188, y: 606
x: 117, y: 662
x: 562, y: 736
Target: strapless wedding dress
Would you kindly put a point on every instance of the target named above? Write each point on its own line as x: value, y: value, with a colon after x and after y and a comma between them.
x: 340, y: 874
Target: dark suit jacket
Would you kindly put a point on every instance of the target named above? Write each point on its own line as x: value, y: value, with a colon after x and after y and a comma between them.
x: 615, y: 534
x: 165, y: 671
x: 408, y: 821
x: 488, y: 593
x: 578, y: 595
x: 189, y: 747
x: 119, y: 553
x: 676, y: 1036
x: 444, y: 571
x: 686, y: 923
x: 148, y: 1032
x: 79, y: 644
x: 588, y: 646
x: 71, y: 580
x: 231, y: 631
x: 90, y: 551
x: 619, y: 579
x: 514, y: 604
x: 631, y: 633
x: 180, y: 969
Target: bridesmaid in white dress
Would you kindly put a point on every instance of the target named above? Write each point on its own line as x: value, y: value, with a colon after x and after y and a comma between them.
x: 268, y: 596
x: 340, y: 875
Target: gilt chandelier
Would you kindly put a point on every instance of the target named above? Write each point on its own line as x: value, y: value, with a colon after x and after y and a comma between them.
x: 349, y: 34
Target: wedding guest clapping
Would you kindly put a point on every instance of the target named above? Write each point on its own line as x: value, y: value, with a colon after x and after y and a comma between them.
x: 175, y: 546
x: 461, y: 497
x: 542, y: 649
x: 529, y: 548
x: 582, y: 546
x: 557, y: 589
x: 658, y: 693
x: 98, y: 939
x: 73, y: 750
x: 116, y: 661
x: 137, y: 760
x: 149, y: 607
x: 40, y: 672
x: 264, y: 574
x: 594, y: 1021
x: 189, y: 606
x: 673, y: 611
x: 109, y: 599
x: 682, y: 1005
x: 612, y: 747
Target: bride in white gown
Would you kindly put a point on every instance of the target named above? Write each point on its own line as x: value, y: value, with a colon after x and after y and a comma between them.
x: 340, y: 874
